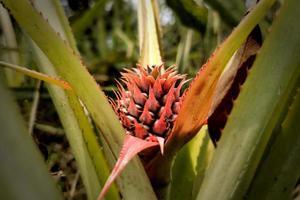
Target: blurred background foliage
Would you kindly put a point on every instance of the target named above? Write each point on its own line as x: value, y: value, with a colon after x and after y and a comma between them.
x: 106, y: 36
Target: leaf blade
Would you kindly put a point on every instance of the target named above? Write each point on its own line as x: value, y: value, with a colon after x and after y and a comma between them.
x: 23, y: 173
x: 273, y: 178
x: 198, y: 100
x: 37, y: 75
x: 69, y: 66
x: 258, y: 110
x: 149, y: 33
x: 131, y: 147
x: 230, y: 82
x: 78, y: 128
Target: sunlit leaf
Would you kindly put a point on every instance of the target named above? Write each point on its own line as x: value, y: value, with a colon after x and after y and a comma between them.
x: 149, y: 33
x: 190, y: 165
x: 77, y: 126
x: 69, y: 66
x: 37, y: 75
x: 198, y: 100
x: 9, y: 39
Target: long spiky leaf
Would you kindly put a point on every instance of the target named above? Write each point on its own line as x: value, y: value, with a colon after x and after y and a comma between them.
x: 198, y: 100
x: 79, y: 131
x: 37, y: 75
x: 69, y: 66
x: 260, y: 109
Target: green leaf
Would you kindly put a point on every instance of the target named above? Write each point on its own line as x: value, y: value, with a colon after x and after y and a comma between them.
x: 9, y: 39
x: 183, y: 50
x: 230, y: 11
x: 149, y: 33
x: 189, y: 166
x: 198, y: 99
x: 204, y: 158
x: 37, y: 75
x: 130, y: 45
x: 79, y: 130
x: 72, y: 122
x: 69, y: 67
x: 84, y: 21
x: 60, y: 20
x: 258, y: 110
x: 183, y: 175
x: 23, y: 173
x: 279, y: 170
x: 190, y: 13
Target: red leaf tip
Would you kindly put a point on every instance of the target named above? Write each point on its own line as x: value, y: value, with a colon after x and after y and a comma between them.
x: 131, y: 147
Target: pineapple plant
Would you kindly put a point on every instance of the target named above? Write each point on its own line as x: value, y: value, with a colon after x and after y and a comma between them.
x: 158, y: 117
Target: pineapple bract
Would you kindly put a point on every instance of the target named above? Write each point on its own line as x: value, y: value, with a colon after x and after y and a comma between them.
x: 149, y: 102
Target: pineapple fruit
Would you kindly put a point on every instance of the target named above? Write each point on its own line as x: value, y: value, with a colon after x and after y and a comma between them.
x: 149, y: 103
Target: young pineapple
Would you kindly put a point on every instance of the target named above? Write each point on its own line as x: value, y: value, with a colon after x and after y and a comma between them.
x: 150, y: 101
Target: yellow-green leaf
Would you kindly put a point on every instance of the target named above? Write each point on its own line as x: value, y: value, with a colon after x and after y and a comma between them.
x: 149, y: 33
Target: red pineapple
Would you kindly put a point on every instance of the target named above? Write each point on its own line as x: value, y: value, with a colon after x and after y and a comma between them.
x: 149, y: 103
